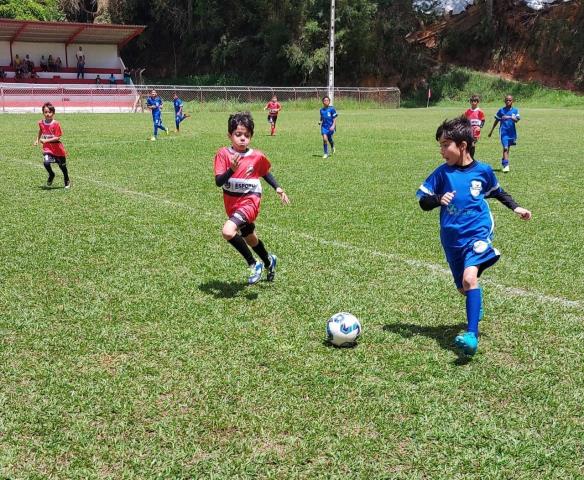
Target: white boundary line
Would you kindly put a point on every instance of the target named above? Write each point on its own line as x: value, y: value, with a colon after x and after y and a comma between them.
x: 512, y: 291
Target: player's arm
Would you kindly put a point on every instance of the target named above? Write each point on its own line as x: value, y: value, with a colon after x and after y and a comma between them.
x: 51, y: 139
x: 493, y: 127
x: 36, y: 142
x: 507, y: 200
x: 272, y: 182
x: 222, y: 178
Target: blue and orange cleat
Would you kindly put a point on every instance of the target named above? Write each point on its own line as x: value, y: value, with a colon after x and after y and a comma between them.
x: 467, y: 342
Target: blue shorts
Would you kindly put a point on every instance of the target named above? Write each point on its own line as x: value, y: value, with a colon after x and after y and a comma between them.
x: 157, y: 120
x: 508, y: 141
x: 478, y: 253
x: 326, y: 131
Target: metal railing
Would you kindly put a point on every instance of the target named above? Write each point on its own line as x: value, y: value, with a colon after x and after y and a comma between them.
x: 132, y: 98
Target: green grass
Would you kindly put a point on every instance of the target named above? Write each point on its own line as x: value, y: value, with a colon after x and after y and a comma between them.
x: 130, y: 347
x: 455, y: 86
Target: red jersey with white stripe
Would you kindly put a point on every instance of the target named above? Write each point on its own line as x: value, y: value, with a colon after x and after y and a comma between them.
x: 476, y: 117
x: 243, y: 191
x: 273, y: 108
x: 48, y: 130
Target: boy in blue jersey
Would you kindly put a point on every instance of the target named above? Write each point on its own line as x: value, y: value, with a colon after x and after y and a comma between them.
x: 460, y: 188
x: 328, y: 125
x: 179, y: 115
x: 508, y: 116
x: 154, y: 104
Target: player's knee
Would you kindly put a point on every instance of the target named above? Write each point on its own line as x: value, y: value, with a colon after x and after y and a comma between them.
x: 229, y: 231
x: 470, y: 281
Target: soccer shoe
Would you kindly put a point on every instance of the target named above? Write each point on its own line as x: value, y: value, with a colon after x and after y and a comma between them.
x: 255, y: 273
x: 505, y: 168
x: 153, y: 139
x: 49, y: 183
x: 325, y: 155
x: 167, y: 131
x: 272, y: 268
x: 68, y: 185
x: 334, y: 150
x: 467, y: 342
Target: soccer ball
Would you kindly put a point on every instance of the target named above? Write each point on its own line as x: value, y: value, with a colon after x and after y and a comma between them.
x: 343, y: 329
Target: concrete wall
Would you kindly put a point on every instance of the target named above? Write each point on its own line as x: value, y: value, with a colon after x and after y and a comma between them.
x: 98, y: 56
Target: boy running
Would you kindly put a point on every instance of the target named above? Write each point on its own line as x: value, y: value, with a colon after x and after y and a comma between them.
x: 477, y: 121
x: 273, y: 108
x: 179, y: 115
x: 460, y: 188
x: 238, y: 170
x: 328, y: 125
x: 49, y: 136
x: 154, y: 104
x: 508, y: 116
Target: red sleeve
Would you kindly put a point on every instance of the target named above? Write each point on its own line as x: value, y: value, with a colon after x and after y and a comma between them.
x: 481, y: 115
x: 264, y: 166
x: 58, y: 131
x: 466, y: 114
x: 222, y: 162
x: 278, y: 106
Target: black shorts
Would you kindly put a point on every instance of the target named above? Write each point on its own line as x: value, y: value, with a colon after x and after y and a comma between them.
x: 273, y: 119
x: 48, y: 158
x: 243, y: 226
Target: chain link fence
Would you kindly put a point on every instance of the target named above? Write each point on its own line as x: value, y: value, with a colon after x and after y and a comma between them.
x: 383, y: 97
x: 132, y: 98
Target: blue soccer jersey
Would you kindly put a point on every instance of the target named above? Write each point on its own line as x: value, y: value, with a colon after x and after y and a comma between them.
x: 327, y: 117
x: 154, y: 102
x: 467, y: 219
x: 507, y: 125
x: 178, y: 103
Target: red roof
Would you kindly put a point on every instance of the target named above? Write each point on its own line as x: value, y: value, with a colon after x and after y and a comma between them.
x: 65, y: 32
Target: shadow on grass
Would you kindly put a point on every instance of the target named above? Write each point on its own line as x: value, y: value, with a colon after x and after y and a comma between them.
x: 52, y: 187
x: 442, y: 334
x: 219, y: 289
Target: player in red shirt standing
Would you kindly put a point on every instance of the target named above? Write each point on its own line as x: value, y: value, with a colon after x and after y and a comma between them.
x: 238, y: 170
x: 477, y: 121
x: 273, y: 108
x: 49, y: 136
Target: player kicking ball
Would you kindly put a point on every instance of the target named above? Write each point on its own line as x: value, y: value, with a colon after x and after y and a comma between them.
x: 460, y: 187
x: 238, y: 170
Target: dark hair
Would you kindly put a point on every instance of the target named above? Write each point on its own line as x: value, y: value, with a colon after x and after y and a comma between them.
x: 458, y: 130
x: 326, y: 96
x: 475, y: 98
x: 48, y: 105
x: 240, y: 118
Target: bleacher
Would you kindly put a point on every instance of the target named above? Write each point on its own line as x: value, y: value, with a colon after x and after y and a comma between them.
x: 101, y: 44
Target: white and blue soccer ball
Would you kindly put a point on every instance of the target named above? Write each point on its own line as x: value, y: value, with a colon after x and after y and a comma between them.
x: 343, y: 329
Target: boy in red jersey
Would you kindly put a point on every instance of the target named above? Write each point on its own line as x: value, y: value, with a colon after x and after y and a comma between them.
x: 273, y: 108
x: 53, y: 151
x: 477, y: 121
x: 238, y: 170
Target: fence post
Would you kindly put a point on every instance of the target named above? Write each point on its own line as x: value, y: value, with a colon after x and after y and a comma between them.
x: 3, y: 99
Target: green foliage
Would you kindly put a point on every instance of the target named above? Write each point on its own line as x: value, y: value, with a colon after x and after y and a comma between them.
x: 455, y: 85
x: 44, y: 10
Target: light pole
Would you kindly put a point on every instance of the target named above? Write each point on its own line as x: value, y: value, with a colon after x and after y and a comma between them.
x: 331, y: 76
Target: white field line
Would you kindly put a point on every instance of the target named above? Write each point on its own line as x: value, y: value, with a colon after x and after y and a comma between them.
x: 432, y: 267
x: 163, y: 138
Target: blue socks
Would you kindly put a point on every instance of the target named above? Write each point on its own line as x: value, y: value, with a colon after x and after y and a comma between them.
x: 504, y: 162
x: 325, y: 146
x: 474, y: 300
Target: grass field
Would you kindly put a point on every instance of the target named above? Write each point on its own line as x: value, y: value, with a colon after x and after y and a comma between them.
x: 130, y: 346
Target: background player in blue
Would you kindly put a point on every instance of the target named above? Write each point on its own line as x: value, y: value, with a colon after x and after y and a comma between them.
x: 508, y: 116
x: 154, y: 104
x: 328, y: 125
x: 179, y: 115
x: 460, y: 188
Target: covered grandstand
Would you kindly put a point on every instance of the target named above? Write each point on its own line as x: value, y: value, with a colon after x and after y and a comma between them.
x: 101, y: 44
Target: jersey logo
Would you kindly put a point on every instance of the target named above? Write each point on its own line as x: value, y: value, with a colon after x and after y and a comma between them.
x: 475, y: 188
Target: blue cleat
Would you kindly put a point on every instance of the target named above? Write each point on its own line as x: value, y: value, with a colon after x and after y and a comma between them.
x: 255, y: 273
x: 272, y: 268
x: 467, y: 342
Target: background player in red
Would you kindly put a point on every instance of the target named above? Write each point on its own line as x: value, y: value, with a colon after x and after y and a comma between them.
x: 273, y: 108
x: 53, y: 151
x: 238, y: 170
x: 477, y: 121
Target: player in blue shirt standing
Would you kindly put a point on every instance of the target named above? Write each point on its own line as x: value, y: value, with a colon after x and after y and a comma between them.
x: 460, y: 188
x: 328, y: 125
x: 508, y: 116
x: 179, y: 115
x: 154, y: 104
